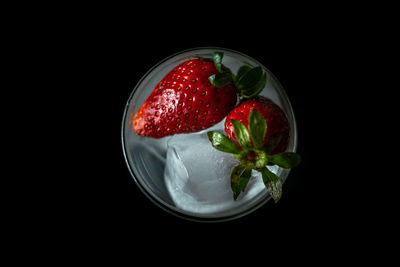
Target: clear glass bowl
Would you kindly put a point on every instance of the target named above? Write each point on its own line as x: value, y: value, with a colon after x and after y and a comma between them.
x: 147, y: 157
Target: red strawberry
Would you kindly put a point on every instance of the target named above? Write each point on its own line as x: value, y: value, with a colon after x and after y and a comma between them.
x: 184, y: 101
x: 195, y: 95
x: 258, y: 135
x: 273, y: 115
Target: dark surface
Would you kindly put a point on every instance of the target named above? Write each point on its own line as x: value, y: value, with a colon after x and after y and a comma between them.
x: 287, y: 60
x: 110, y: 201
x: 91, y: 60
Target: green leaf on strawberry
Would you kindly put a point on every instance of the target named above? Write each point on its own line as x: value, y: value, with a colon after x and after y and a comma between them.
x: 242, y: 135
x: 285, y: 160
x: 223, y: 143
x: 239, y: 179
x: 273, y: 184
x: 256, y: 143
x: 257, y: 128
x: 220, y: 80
x: 217, y: 57
x: 248, y: 81
x: 242, y: 70
x: 255, y: 90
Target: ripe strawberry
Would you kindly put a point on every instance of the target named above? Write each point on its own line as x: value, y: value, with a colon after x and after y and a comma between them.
x: 273, y: 115
x: 195, y: 95
x: 184, y: 101
x: 258, y: 135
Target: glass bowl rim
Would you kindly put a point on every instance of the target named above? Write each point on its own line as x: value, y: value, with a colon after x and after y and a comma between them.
x: 159, y: 202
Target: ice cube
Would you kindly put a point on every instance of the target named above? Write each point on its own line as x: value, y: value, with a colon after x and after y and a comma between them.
x: 147, y: 161
x: 197, y: 176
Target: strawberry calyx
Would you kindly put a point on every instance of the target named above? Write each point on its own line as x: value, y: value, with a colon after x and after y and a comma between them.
x: 253, y: 155
x: 248, y: 81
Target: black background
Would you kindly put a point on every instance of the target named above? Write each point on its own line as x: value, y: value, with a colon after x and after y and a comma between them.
x: 103, y: 200
x: 90, y: 59
x: 294, y: 57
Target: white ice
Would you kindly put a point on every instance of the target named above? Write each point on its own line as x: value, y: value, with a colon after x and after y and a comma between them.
x: 197, y: 176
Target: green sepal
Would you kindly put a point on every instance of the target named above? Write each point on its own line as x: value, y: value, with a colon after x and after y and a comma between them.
x: 242, y: 70
x: 222, y: 143
x: 252, y: 92
x: 273, y: 184
x: 221, y: 79
x: 285, y: 159
x: 242, y: 135
x: 239, y: 179
x: 217, y: 58
x: 249, y: 82
x: 257, y: 128
x: 250, y: 79
x: 225, y: 76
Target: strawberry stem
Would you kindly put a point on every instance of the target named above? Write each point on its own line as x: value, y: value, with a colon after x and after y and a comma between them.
x: 253, y: 156
x: 249, y: 82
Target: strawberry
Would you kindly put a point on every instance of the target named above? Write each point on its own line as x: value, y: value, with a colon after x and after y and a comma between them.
x: 257, y: 134
x: 195, y: 95
x: 273, y: 115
